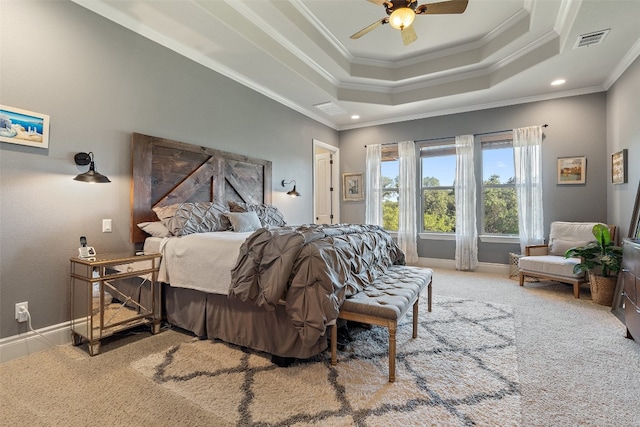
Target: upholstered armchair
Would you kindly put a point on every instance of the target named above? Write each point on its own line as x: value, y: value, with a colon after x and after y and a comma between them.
x: 547, y: 262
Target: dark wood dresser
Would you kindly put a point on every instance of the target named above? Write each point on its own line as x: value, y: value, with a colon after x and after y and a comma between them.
x: 631, y: 276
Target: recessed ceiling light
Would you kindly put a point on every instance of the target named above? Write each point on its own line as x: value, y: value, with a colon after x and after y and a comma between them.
x: 355, y: 117
x: 558, y: 82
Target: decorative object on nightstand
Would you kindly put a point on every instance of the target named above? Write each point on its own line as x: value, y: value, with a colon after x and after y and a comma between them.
x: 111, y: 293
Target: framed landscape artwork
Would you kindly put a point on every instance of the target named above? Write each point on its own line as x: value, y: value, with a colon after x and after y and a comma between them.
x: 24, y: 127
x: 619, y: 167
x: 572, y: 170
x: 352, y: 186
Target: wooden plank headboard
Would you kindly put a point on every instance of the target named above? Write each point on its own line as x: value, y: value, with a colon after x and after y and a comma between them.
x: 164, y: 172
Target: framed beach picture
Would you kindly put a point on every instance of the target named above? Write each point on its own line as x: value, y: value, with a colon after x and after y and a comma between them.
x: 619, y: 167
x: 352, y: 186
x: 24, y: 127
x: 572, y: 170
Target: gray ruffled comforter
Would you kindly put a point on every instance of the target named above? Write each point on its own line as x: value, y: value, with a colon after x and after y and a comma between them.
x: 313, y: 268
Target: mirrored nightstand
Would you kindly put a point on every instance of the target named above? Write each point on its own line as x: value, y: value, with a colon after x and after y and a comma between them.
x: 112, y: 293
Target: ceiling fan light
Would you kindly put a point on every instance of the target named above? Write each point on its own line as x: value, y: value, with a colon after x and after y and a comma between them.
x: 401, y: 18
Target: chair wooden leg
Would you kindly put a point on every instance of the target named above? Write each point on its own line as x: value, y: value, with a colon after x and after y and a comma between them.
x: 576, y: 290
x: 521, y: 278
x: 334, y: 344
x: 429, y: 297
x: 392, y: 352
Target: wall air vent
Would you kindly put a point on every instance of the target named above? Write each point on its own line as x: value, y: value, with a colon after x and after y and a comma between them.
x: 330, y: 108
x: 591, y: 38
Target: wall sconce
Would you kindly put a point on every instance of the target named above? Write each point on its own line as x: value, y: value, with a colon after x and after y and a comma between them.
x: 83, y: 159
x: 293, y: 192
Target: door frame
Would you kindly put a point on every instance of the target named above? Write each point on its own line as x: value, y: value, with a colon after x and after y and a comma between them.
x: 335, y: 179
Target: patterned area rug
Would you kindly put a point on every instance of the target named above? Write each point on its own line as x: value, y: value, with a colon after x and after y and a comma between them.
x: 460, y: 371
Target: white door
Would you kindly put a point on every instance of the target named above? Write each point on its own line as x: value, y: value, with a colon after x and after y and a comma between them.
x: 326, y: 183
x: 323, y: 189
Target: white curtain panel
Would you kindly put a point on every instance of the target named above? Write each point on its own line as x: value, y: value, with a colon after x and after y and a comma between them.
x: 373, y: 190
x: 407, y: 230
x: 527, y: 150
x: 466, y: 257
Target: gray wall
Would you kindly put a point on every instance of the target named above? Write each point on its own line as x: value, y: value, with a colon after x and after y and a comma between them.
x: 99, y: 83
x: 577, y: 127
x: 623, y: 131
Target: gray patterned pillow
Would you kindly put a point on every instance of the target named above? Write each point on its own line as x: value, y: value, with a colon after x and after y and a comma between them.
x: 188, y: 218
x: 269, y: 215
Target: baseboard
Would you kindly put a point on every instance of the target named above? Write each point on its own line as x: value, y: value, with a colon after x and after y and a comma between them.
x: 30, y: 342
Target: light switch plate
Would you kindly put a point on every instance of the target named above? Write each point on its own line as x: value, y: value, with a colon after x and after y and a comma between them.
x: 106, y: 225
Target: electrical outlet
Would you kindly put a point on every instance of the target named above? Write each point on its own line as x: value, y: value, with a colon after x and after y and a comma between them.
x: 22, y: 308
x: 106, y: 225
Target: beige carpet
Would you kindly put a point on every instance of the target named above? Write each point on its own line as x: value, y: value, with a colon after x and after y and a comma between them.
x: 461, y: 370
x: 574, y: 368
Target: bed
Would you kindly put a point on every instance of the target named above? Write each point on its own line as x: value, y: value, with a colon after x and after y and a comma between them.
x: 269, y: 286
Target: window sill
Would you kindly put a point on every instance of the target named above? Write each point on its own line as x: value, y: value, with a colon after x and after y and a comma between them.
x: 437, y: 236
x: 485, y: 238
x: 493, y: 238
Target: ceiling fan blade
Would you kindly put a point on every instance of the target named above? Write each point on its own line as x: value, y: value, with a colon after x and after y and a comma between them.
x: 379, y: 2
x: 443, y: 7
x: 408, y: 35
x: 371, y: 27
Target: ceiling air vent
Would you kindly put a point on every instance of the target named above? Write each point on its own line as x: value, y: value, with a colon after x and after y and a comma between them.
x: 330, y: 108
x: 591, y: 38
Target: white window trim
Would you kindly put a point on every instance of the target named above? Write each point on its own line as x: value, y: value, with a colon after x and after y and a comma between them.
x: 485, y: 238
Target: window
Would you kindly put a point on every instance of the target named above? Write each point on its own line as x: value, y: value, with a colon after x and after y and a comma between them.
x: 438, y: 170
x: 499, y: 206
x: 390, y: 172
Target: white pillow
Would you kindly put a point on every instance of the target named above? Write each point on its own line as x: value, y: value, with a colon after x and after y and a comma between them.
x: 243, y: 221
x: 155, y: 229
x: 559, y: 247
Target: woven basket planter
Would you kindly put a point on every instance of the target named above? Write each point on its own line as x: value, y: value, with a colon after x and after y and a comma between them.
x: 602, y: 288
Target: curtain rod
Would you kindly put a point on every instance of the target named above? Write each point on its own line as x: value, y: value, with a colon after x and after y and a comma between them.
x: 449, y: 137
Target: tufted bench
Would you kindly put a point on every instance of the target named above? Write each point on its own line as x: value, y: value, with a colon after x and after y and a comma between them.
x: 384, y: 303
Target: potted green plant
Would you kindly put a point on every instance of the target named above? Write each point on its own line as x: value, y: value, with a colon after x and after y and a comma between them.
x: 602, y: 260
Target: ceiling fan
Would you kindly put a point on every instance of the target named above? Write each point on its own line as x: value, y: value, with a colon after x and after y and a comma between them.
x: 402, y: 12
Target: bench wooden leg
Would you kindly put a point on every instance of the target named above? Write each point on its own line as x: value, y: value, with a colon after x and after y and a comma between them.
x: 576, y: 290
x: 415, y: 319
x: 334, y: 344
x: 521, y: 278
x: 428, y: 297
x: 392, y: 352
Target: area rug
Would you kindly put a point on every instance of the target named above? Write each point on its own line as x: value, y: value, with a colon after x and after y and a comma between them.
x: 460, y: 371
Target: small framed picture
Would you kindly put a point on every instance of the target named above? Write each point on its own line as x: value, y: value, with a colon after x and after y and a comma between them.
x: 572, y: 170
x: 24, y: 127
x: 352, y: 186
x: 619, y: 167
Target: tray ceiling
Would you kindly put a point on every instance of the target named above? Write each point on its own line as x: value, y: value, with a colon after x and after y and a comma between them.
x: 298, y: 52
